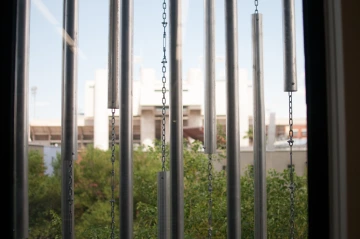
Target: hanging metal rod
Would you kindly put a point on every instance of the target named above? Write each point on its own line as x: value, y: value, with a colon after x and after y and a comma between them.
x: 114, y: 55
x: 290, y: 78
x: 126, y: 117
x: 163, y: 204
x: 21, y: 209
x: 259, y: 129
x: 232, y: 121
x: 209, y: 51
x: 69, y: 115
x: 176, y: 122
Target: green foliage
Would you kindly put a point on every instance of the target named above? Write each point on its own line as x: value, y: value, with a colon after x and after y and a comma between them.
x: 221, y: 136
x: 44, y: 199
x: 279, y: 204
x: 93, y: 193
x: 249, y: 134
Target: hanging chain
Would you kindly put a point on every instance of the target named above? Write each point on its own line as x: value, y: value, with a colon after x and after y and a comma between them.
x: 256, y: 6
x: 112, y: 201
x: 70, y: 199
x: 292, y: 185
x: 164, y: 61
x: 210, y: 167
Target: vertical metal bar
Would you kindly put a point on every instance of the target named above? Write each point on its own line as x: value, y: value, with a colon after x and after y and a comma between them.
x: 69, y: 115
x: 210, y: 112
x: 176, y: 122
x: 21, y: 223
x: 259, y: 129
x: 114, y: 54
x: 290, y: 79
x: 232, y: 121
x: 163, y: 205
x: 126, y: 124
x: 338, y: 136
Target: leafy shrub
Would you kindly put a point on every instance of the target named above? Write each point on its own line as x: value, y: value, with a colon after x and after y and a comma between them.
x: 93, y: 193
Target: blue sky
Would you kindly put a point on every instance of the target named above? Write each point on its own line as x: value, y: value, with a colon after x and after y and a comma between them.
x: 46, y: 47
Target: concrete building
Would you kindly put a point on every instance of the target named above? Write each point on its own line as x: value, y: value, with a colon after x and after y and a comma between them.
x: 147, y: 104
x: 94, y: 124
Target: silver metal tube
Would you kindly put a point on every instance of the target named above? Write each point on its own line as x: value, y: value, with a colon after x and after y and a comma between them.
x: 176, y: 122
x: 290, y: 78
x: 21, y: 213
x: 163, y: 205
x: 210, y: 112
x: 259, y: 129
x: 126, y: 117
x: 232, y: 121
x: 69, y: 115
x: 114, y: 54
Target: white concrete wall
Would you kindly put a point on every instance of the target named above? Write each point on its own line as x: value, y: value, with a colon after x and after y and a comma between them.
x: 251, y: 98
x: 148, y: 96
x: 89, y: 98
x: 136, y: 98
x: 271, y: 132
x: 147, y: 92
x: 147, y: 127
x: 195, y: 118
x: 245, y: 108
x: 101, y: 112
x: 220, y: 97
x: 193, y: 88
x: 275, y: 160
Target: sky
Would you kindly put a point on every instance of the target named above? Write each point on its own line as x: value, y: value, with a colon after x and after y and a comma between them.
x: 46, y: 48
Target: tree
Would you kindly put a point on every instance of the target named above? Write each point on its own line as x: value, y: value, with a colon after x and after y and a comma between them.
x: 249, y: 135
x: 93, y: 192
x: 44, y: 199
x: 221, y: 137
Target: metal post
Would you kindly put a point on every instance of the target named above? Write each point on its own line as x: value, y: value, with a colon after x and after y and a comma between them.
x: 163, y: 205
x: 21, y: 210
x: 290, y: 79
x: 210, y: 112
x: 126, y: 117
x: 69, y: 115
x: 290, y: 85
x: 176, y: 122
x: 232, y: 121
x: 114, y: 54
x: 259, y: 129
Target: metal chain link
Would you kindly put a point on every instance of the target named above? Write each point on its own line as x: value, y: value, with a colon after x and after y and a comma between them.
x: 256, y: 6
x: 70, y: 199
x: 292, y: 185
x: 112, y: 201
x: 164, y: 61
x: 210, y: 167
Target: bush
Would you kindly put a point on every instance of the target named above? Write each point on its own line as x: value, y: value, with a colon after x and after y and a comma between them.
x: 93, y: 194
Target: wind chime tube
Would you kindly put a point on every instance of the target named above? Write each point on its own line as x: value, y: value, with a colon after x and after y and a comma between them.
x: 232, y: 121
x: 114, y: 54
x: 290, y: 78
x: 126, y: 117
x: 259, y: 129
x: 176, y: 122
x: 21, y: 209
x: 210, y: 112
x: 69, y: 112
x: 163, y: 205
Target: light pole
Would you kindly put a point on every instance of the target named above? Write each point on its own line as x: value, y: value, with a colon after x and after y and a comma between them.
x: 33, y: 92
